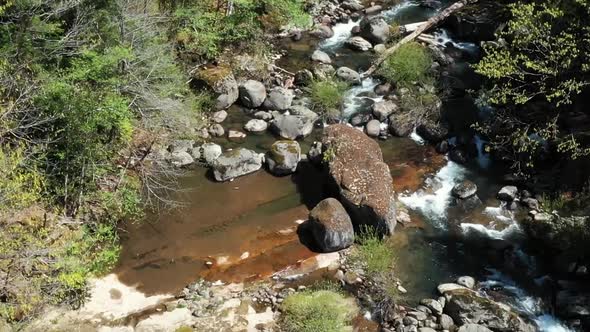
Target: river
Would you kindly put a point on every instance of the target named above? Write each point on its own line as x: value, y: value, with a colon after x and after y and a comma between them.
x: 246, y: 229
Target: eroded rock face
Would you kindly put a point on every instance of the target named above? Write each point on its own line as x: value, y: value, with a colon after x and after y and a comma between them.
x: 283, y: 157
x: 235, y: 163
x: 355, y: 163
x: 222, y: 82
x: 466, y: 307
x: 331, y: 226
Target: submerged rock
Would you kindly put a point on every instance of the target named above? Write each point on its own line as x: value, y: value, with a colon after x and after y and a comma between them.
x: 236, y: 163
x: 283, y: 157
x: 252, y: 94
x: 331, y: 226
x: 356, y: 166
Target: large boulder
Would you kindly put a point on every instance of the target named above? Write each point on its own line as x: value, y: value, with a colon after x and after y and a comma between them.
x: 211, y: 152
x: 467, y: 307
x: 296, y: 125
x: 222, y: 82
x: 464, y: 189
x: 355, y: 164
x: 382, y: 109
x: 331, y: 226
x: 358, y: 44
x: 283, y: 157
x: 432, y: 132
x: 252, y: 94
x: 373, y: 128
x: 235, y: 163
x: 401, y: 125
x: 279, y: 99
x: 375, y: 29
x: 508, y: 193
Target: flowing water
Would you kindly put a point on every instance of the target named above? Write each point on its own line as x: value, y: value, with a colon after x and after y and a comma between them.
x: 246, y: 229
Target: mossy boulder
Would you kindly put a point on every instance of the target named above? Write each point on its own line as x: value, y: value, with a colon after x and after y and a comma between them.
x: 283, y: 157
x: 221, y: 81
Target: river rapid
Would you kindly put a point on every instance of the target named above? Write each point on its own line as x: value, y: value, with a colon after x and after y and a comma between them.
x: 245, y: 230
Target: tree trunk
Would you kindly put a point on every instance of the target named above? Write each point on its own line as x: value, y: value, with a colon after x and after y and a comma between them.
x: 425, y: 26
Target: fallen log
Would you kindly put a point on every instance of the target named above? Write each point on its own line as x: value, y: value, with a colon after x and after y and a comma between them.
x: 423, y: 27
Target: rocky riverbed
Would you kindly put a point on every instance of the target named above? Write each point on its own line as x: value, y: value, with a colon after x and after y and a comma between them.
x: 275, y: 195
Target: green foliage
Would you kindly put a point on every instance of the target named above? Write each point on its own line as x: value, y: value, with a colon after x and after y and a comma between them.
x: 322, y: 310
x: 550, y: 204
x: 530, y: 65
x: 21, y: 183
x: 410, y: 63
x: 327, y: 96
x: 373, y: 252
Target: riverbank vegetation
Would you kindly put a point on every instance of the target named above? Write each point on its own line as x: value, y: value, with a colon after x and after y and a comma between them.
x: 87, y: 90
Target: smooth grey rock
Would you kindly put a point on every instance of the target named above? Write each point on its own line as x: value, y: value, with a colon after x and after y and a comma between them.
x: 210, y: 152
x: 358, y: 43
x: 375, y: 29
x: 219, y: 116
x: 236, y: 135
x: 181, y: 158
x: 433, y: 305
x: 373, y: 128
x: 373, y: 9
x: 323, y: 31
x: 256, y: 126
x: 262, y: 115
x: 321, y: 56
x: 216, y: 130
x: 448, y: 287
x: 331, y: 226
x: 379, y: 48
x: 252, y: 94
x: 292, y: 126
x: 279, y: 99
x: 508, y: 193
x: 236, y: 163
x: 283, y: 157
x: 348, y: 75
x: 382, y: 109
x: 464, y: 189
x: 466, y: 281
x: 446, y: 322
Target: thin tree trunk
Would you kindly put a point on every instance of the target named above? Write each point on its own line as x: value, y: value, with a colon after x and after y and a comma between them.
x: 425, y: 26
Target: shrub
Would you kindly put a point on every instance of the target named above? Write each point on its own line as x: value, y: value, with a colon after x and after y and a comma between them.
x: 410, y: 63
x: 313, y: 311
x: 327, y: 96
x: 20, y: 182
x: 373, y: 252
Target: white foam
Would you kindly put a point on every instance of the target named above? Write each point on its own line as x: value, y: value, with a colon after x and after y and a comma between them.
x: 499, y: 213
x: 352, y: 101
x: 490, y: 233
x: 342, y: 31
x: 434, y: 206
x: 417, y: 138
x: 393, y: 12
x: 442, y: 39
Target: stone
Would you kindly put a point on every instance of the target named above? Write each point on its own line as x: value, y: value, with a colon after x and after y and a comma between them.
x: 375, y: 29
x: 382, y: 109
x: 331, y: 226
x: 315, y: 153
x: 348, y: 75
x: 303, y: 77
x: 358, y: 43
x: 383, y: 89
x: 409, y: 320
x: 352, y: 5
x: 508, y: 193
x: 323, y: 71
x: 473, y: 328
x: 279, y: 99
x: 458, y: 155
x: 356, y: 166
x: 252, y: 94
x: 426, y: 329
x: 373, y: 128
x: 466, y: 307
x: 448, y: 287
x: 419, y: 315
x: 181, y: 145
x: 432, y: 132
x: 442, y: 147
x: 210, y: 152
x: 433, y: 305
x: 531, y: 203
x: 222, y: 82
x: 263, y: 115
x: 216, y: 130
x: 323, y: 31
x: 219, y: 116
x: 321, y: 56
x: 283, y: 157
x: 464, y: 189
x: 256, y: 126
x: 400, y: 125
x: 292, y: 126
x: 236, y: 163
x: 180, y: 158
x: 236, y: 135
x: 466, y: 281
x: 446, y: 322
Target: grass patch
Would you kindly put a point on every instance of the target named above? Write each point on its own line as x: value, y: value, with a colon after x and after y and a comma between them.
x: 373, y: 252
x: 327, y: 96
x: 552, y: 203
x: 314, y: 311
x: 410, y: 63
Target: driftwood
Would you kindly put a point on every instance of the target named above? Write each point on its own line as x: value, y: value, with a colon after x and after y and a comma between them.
x: 417, y: 32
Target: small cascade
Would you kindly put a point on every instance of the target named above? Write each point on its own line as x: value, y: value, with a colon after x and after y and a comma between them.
x: 523, y: 302
x: 483, y: 158
x: 442, y: 39
x: 397, y: 10
x: 417, y: 138
x: 434, y: 205
x: 342, y: 31
x: 353, y: 100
